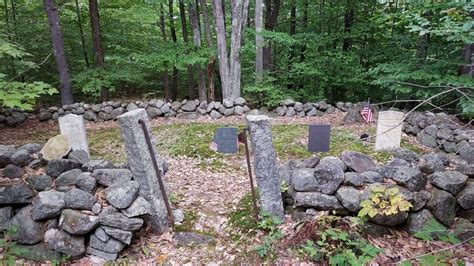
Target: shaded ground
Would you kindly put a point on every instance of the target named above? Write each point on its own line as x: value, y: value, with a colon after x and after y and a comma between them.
x: 212, y: 189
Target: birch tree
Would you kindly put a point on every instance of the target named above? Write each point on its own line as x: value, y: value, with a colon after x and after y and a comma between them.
x: 229, y: 63
x: 193, y: 18
x: 258, y: 41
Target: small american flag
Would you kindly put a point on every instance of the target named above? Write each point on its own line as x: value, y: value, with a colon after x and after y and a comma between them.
x: 367, y: 114
x: 213, y: 145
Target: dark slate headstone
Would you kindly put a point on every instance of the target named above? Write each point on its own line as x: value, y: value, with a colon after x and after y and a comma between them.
x: 226, y: 140
x: 318, y: 140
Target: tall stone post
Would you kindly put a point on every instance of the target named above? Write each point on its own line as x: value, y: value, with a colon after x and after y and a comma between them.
x: 73, y: 127
x: 142, y: 168
x: 265, y: 165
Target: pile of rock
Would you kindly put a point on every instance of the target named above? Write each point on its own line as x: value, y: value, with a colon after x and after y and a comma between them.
x: 442, y: 131
x: 12, y: 116
x: 55, y: 205
x: 341, y: 184
x: 290, y: 108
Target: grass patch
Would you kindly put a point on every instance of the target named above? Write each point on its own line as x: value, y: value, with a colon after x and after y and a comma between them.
x: 242, y: 218
x: 187, y: 225
x: 107, y: 144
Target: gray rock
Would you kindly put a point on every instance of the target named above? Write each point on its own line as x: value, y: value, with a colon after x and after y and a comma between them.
x: 86, y: 182
x: 101, y: 234
x: 6, y: 213
x: 28, y: 230
x: 445, y: 133
x: 430, y: 163
x: 190, y: 238
x: 467, y: 169
x: 6, y: 152
x: 119, y: 220
x: 139, y: 207
x: 90, y: 115
x: 175, y: 106
x: 56, y: 148
x: 178, y: 215
x: 58, y: 166
x: 317, y: 201
x: 451, y: 181
x: 96, y: 108
x: 388, y: 170
x: 288, y: 102
x: 79, y: 156
x: 228, y: 111
x: 311, y: 162
x: 101, y: 254
x: 467, y: 153
x: 153, y: 112
x: 443, y: 206
x: 44, y: 116
x: 13, y: 171
x: 15, y: 192
x: 352, y: 116
x: 38, y: 252
x: 463, y: 229
x: 111, y: 246
x: 465, y: 197
x: 427, y: 140
x: 37, y: 163
x: 334, y: 160
x: 431, y: 130
x: 40, y: 182
x: 290, y: 112
x: 47, y: 204
x: 349, y: 198
x: 298, y: 107
x: 320, y: 179
x: 93, y: 165
x: 105, y: 116
x: 371, y: 177
x: 449, y: 147
x: 281, y: 110
x: 409, y: 177
x: 239, y: 101
x: 131, y: 107
x: 353, y: 179
x: 68, y: 178
x: 372, y: 229
x: 21, y: 157
x: 108, y: 109
x: 96, y: 208
x: 215, y: 114
x: 390, y: 220
x: 119, y: 234
x: 121, y: 195
x: 405, y: 154
x: 238, y: 110
x: 79, y: 199
x: 358, y: 162
x: 418, y: 221
x: 228, y: 103
x: 77, y: 223
x: 165, y: 108
x: 109, y: 177
x: 116, y: 112
x: 188, y: 115
x: 189, y: 106
x: 65, y: 243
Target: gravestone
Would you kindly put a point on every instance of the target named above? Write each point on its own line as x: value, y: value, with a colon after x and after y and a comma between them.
x: 73, y: 127
x: 318, y: 138
x: 141, y: 166
x: 226, y: 140
x: 265, y: 164
x: 389, y: 130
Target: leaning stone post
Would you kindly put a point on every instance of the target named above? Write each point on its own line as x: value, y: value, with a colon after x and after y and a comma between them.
x: 142, y: 168
x: 265, y: 165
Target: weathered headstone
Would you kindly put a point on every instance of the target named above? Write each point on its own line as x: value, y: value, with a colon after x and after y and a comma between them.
x: 74, y: 128
x: 226, y: 140
x: 265, y: 164
x: 140, y: 162
x: 389, y: 130
x: 318, y: 138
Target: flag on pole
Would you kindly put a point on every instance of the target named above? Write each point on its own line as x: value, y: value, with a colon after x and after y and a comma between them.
x: 213, y: 145
x: 367, y: 114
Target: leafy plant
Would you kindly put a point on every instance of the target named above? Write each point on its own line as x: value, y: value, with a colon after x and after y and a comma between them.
x: 268, y: 223
x: 436, y: 230
x: 10, y: 249
x: 384, y: 201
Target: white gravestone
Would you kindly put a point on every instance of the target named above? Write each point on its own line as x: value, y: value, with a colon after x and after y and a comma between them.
x: 74, y: 128
x: 389, y: 130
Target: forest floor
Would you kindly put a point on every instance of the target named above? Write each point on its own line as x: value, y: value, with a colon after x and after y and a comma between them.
x: 213, y: 189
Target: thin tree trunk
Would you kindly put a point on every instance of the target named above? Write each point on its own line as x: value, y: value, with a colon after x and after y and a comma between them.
x: 292, y: 32
x: 174, y: 88
x: 81, y: 31
x: 348, y: 20
x: 7, y: 20
x: 165, y: 75
x: 211, y: 66
x: 182, y: 15
x: 58, y: 46
x: 97, y: 43
x: 258, y: 41
x: 193, y: 18
x: 13, y: 4
x: 304, y: 27
x: 271, y: 16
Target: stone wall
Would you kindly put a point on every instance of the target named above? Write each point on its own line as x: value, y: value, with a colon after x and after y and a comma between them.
x: 443, y: 132
x: 438, y: 188
x: 70, y: 205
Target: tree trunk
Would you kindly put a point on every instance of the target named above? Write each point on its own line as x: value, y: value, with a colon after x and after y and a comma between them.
x: 58, y: 47
x: 184, y: 29
x: 211, y: 66
x: 258, y: 41
x: 81, y: 31
x: 193, y: 18
x: 222, y: 48
x: 348, y: 21
x: 292, y: 32
x: 97, y: 43
x: 165, y: 75
x: 7, y: 20
x: 13, y: 4
x: 272, y: 9
x: 174, y: 88
x: 304, y: 27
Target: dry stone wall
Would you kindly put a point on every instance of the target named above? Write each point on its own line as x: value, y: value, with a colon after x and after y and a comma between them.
x: 439, y: 188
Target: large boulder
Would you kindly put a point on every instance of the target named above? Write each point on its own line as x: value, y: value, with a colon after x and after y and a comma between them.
x: 411, y: 178
x: 358, y: 162
x: 443, y: 206
x: 28, y: 230
x: 56, y: 148
x: 349, y: 198
x: 77, y: 223
x: 47, y: 204
x: 418, y: 221
x: 390, y: 220
x: 79, y: 199
x: 465, y: 197
x: 451, y: 181
x: 71, y: 245
x: 122, y: 195
x: 15, y: 192
x: 317, y: 201
x: 109, y: 177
